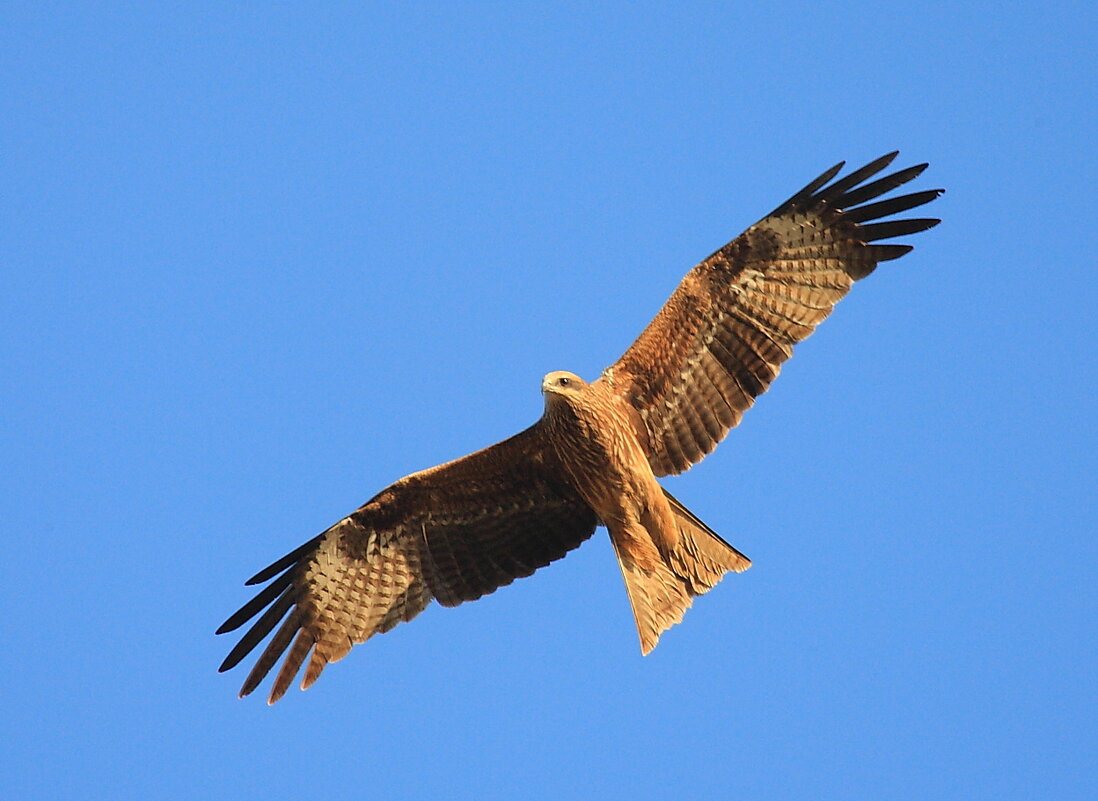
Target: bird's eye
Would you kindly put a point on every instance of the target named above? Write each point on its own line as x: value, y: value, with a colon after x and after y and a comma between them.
x: 564, y: 382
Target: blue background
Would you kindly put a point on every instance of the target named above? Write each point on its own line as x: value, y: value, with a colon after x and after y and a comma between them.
x: 260, y: 261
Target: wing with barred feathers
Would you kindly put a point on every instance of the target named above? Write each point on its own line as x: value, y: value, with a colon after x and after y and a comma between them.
x: 721, y: 338
x: 451, y: 533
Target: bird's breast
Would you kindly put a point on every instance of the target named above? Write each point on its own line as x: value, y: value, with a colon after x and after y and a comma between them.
x: 598, y: 447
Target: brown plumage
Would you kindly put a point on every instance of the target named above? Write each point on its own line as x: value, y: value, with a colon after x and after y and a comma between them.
x: 460, y: 530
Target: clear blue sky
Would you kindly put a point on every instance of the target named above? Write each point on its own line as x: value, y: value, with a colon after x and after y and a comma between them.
x: 260, y: 261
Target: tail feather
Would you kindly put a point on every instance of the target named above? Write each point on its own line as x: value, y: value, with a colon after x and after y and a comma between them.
x: 658, y: 597
x: 701, y: 556
x: 663, y: 573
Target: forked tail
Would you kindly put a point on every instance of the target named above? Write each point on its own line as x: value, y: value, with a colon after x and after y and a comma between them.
x: 661, y: 586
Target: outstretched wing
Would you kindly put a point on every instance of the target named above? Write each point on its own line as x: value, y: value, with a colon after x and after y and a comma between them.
x: 720, y: 339
x: 453, y: 533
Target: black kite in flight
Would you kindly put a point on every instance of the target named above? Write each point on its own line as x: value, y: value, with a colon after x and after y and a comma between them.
x: 460, y: 530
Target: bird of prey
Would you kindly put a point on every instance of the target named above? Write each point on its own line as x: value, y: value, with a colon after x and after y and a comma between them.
x: 455, y: 532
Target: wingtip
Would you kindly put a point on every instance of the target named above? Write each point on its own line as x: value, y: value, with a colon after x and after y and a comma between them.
x: 290, y: 559
x: 250, y: 684
x: 831, y: 173
x: 232, y: 660
x: 882, y: 162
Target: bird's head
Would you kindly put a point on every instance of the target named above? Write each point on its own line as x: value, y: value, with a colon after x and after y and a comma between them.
x: 561, y: 384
